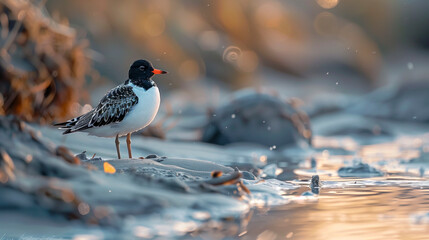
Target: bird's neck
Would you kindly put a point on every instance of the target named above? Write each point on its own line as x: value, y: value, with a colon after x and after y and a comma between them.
x: 143, y: 83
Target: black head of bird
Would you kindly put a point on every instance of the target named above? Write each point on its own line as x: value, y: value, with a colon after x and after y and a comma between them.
x: 143, y: 70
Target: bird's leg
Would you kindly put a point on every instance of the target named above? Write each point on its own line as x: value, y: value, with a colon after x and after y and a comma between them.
x: 129, y: 145
x: 117, y: 146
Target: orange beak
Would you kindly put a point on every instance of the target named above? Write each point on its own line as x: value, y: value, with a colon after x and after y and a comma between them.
x: 157, y: 71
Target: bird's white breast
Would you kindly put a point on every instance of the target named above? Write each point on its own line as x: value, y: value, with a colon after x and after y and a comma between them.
x: 140, y: 115
x: 143, y: 113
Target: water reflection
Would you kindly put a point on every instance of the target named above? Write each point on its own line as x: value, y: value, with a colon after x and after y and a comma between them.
x: 360, y: 212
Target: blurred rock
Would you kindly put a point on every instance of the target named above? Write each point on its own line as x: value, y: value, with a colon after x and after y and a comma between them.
x: 315, y: 181
x: 406, y: 101
x: 360, y: 170
x: 258, y: 118
x: 346, y: 124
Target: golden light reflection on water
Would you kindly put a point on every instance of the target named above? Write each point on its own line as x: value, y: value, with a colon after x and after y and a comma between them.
x: 346, y: 143
x: 349, y: 213
x: 395, y: 206
x: 389, y: 155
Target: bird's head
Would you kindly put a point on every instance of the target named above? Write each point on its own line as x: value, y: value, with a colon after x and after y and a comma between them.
x: 143, y: 70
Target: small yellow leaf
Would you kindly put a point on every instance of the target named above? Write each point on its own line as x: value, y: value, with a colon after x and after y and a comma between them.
x: 108, y: 168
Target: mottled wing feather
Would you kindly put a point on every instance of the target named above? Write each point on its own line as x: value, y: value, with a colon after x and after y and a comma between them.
x: 111, y: 109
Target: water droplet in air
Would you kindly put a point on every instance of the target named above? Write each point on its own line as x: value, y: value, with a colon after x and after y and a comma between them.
x: 231, y: 54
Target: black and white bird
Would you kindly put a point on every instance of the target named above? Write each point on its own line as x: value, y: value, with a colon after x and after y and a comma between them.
x: 125, y: 109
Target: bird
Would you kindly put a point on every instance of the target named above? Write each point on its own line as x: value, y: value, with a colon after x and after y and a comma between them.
x: 125, y: 109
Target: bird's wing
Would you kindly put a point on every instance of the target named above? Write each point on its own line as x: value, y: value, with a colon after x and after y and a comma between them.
x: 112, y: 109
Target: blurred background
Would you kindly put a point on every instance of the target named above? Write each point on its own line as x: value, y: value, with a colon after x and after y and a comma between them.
x: 310, y: 49
x: 245, y: 43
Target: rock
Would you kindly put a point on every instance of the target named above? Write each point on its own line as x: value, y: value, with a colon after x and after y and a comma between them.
x: 315, y: 184
x: 257, y: 118
x: 37, y: 181
x: 362, y: 170
x: 347, y: 124
x: 406, y: 101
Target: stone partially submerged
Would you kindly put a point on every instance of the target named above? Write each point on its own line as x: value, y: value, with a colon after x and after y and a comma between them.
x: 360, y: 170
x: 258, y: 118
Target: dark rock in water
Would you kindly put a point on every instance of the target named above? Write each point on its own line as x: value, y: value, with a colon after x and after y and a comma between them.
x: 258, y: 118
x: 361, y: 170
x: 152, y: 156
x: 315, y: 181
x: 406, y: 101
x: 315, y: 184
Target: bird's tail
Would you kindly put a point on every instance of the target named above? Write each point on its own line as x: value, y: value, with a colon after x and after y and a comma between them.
x: 67, y: 125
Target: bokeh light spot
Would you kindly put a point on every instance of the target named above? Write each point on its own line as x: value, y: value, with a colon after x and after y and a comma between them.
x: 154, y: 25
x: 189, y: 70
x: 83, y: 208
x: 327, y: 4
x: 231, y: 54
x: 209, y: 40
x: 248, y: 62
x: 326, y: 23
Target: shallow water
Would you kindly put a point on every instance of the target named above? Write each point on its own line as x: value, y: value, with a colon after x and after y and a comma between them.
x: 394, y: 205
x: 352, y: 212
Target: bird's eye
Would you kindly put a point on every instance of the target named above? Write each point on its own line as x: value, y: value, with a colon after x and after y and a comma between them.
x: 142, y: 68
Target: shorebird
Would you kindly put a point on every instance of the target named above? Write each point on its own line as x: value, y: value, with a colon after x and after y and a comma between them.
x: 125, y: 109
